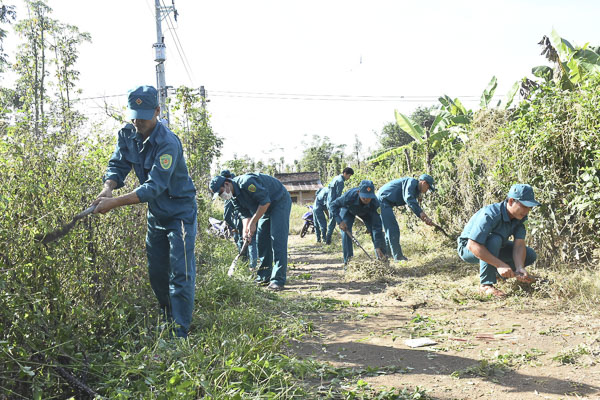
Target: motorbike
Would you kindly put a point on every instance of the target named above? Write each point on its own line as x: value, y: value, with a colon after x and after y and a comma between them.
x: 308, y: 222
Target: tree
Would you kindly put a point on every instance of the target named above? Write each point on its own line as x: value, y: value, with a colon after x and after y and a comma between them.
x: 393, y: 136
x: 323, y: 156
x: 65, y: 43
x: 7, y: 15
x: 411, y: 129
x: 192, y: 124
x: 574, y: 65
x: 31, y: 63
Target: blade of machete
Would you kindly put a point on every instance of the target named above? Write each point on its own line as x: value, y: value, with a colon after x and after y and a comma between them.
x: 63, y: 230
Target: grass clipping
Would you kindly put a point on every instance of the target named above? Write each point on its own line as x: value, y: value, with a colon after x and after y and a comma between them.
x: 361, y: 269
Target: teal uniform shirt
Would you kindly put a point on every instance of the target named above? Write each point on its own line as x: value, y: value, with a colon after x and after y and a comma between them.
x: 320, y: 222
x: 492, y: 219
x: 228, y: 214
x: 350, y: 201
x: 400, y: 192
x: 336, y: 187
x: 254, y: 190
x: 167, y: 187
x: 492, y: 227
x: 322, y: 197
x: 158, y: 162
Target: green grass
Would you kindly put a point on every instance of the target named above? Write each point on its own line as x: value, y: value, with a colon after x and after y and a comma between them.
x: 572, y: 356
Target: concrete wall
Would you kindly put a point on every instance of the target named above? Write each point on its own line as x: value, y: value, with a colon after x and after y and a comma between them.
x: 303, y: 197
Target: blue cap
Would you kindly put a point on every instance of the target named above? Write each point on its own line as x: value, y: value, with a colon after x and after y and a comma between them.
x: 523, y: 193
x: 227, y: 174
x: 216, y: 183
x: 366, y: 189
x: 142, y: 102
x: 429, y: 179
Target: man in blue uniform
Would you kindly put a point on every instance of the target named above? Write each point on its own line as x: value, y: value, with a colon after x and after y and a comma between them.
x: 156, y: 156
x: 485, y: 240
x: 319, y: 213
x: 265, y: 206
x: 358, y: 202
x: 235, y: 221
x: 335, y: 189
x: 400, y: 192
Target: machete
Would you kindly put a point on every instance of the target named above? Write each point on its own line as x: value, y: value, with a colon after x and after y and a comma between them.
x: 235, y: 260
x: 63, y: 230
x: 347, y: 232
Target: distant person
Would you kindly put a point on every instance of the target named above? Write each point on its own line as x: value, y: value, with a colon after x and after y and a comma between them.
x: 156, y: 155
x: 265, y: 205
x: 400, y: 192
x: 358, y: 202
x: 336, y: 187
x: 234, y: 220
x: 485, y: 240
x: 319, y: 213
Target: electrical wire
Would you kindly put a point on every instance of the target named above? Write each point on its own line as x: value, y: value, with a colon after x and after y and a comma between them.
x: 320, y: 97
x: 345, y: 98
x: 178, y: 44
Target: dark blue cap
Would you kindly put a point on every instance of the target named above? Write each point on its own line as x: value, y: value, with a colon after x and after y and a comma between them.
x: 366, y: 189
x: 216, y: 183
x: 523, y: 193
x: 429, y: 179
x: 142, y: 102
x: 227, y: 174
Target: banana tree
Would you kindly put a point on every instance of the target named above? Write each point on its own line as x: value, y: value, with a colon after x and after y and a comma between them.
x: 574, y: 65
x: 449, y: 118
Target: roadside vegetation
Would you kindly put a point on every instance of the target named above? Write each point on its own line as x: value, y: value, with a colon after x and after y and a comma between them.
x: 78, y: 318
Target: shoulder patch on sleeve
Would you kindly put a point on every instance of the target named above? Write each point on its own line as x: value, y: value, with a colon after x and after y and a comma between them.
x: 379, y: 210
x: 252, y: 188
x: 166, y: 160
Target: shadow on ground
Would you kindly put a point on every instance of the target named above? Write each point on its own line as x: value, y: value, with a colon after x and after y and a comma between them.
x: 364, y: 355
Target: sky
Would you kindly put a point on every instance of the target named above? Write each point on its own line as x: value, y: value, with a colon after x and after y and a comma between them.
x: 278, y: 72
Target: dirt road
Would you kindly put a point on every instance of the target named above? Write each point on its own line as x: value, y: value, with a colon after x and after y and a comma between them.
x: 523, y: 347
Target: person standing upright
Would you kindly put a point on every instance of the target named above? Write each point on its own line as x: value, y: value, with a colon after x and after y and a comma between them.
x: 335, y: 189
x: 156, y: 155
x: 319, y: 213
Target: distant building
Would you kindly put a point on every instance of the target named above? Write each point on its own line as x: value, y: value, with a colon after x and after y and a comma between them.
x: 301, y: 185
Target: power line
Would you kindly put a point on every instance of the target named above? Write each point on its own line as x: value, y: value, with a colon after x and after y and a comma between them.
x: 178, y: 44
x: 332, y: 95
x: 346, y: 98
x: 320, y: 97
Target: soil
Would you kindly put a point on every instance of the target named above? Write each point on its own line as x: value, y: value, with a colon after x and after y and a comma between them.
x: 521, y: 347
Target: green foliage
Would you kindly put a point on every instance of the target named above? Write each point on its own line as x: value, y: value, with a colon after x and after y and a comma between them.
x: 323, y: 156
x: 488, y: 93
x: 245, y: 164
x: 392, y: 136
x: 574, y: 65
x: 192, y: 124
x: 554, y: 144
x: 7, y: 15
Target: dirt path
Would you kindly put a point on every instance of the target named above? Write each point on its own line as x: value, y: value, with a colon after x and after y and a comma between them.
x: 518, y: 348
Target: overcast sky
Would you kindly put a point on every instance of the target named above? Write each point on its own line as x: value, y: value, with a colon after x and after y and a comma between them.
x: 278, y: 72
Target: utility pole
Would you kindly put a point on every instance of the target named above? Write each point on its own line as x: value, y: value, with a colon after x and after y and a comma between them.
x: 204, y: 101
x: 160, y: 56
